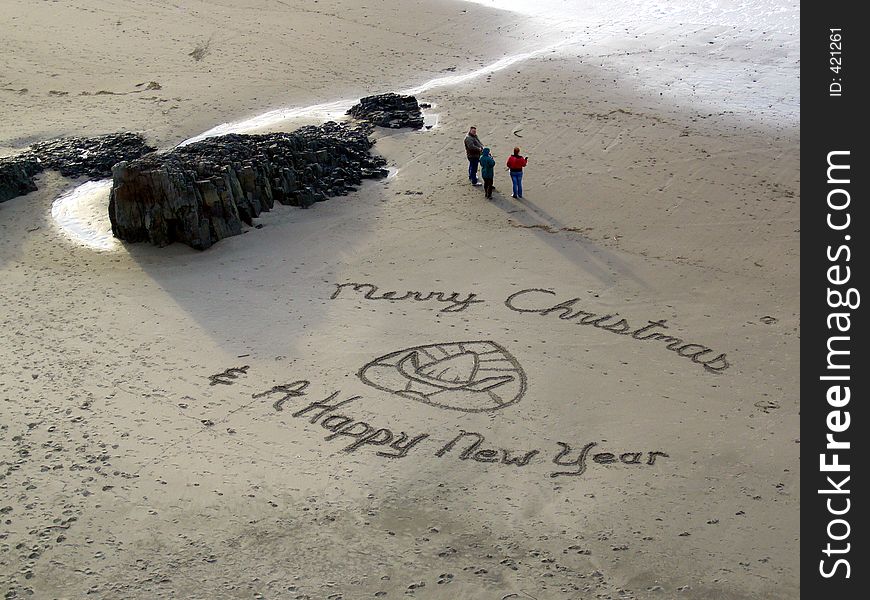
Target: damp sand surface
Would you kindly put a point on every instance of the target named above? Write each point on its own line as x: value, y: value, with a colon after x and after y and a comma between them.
x: 462, y: 421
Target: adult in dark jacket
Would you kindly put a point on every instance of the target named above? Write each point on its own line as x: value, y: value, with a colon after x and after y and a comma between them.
x: 473, y: 149
x: 515, y: 163
x: 487, y: 171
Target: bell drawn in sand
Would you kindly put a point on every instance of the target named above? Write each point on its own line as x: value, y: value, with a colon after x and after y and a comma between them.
x: 467, y: 376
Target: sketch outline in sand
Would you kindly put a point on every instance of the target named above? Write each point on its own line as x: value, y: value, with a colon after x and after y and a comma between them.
x: 475, y: 376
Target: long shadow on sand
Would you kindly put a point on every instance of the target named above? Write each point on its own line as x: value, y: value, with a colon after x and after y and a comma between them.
x: 597, y: 261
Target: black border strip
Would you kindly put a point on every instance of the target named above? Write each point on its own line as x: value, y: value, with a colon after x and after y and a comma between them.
x: 832, y: 248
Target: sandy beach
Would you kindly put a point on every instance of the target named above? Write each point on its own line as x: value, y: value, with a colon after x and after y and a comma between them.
x: 227, y: 423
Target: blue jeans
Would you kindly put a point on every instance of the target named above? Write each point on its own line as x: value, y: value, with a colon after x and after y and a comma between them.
x: 472, y: 168
x: 517, y: 181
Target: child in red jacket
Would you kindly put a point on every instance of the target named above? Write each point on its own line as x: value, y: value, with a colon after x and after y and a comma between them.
x: 516, y: 163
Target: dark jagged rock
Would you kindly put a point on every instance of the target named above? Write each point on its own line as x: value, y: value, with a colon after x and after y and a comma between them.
x: 73, y: 157
x: 16, y: 176
x: 203, y: 192
x: 389, y: 110
x: 91, y: 157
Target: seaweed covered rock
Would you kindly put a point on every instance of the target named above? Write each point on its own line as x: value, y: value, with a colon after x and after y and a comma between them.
x: 203, y: 192
x: 389, y: 110
x: 92, y: 157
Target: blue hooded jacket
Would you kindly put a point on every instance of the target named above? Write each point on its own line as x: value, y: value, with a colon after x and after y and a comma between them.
x: 487, y: 164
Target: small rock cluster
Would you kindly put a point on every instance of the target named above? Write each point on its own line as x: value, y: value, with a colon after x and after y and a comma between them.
x: 72, y: 157
x: 389, y: 110
x: 203, y: 192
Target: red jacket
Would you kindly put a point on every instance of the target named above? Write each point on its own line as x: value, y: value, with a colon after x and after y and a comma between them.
x: 516, y: 162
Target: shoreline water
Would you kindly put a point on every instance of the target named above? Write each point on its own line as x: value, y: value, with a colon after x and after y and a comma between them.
x: 716, y: 47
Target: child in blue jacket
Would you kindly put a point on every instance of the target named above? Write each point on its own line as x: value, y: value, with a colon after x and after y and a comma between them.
x: 487, y: 172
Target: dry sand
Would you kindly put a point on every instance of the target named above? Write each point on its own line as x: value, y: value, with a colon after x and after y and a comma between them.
x: 127, y: 472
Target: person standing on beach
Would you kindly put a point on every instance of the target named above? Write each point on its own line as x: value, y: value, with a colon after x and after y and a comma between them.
x: 515, y: 164
x: 473, y: 149
x: 487, y: 171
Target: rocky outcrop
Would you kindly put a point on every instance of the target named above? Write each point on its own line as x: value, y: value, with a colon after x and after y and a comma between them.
x: 16, y: 176
x: 91, y: 157
x: 73, y: 157
x: 389, y: 110
x: 203, y: 192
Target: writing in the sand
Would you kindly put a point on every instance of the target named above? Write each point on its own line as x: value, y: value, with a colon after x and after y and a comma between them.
x: 454, y: 301
x: 541, y: 302
x: 332, y: 415
x: 538, y: 301
x: 473, y: 447
x: 226, y: 377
